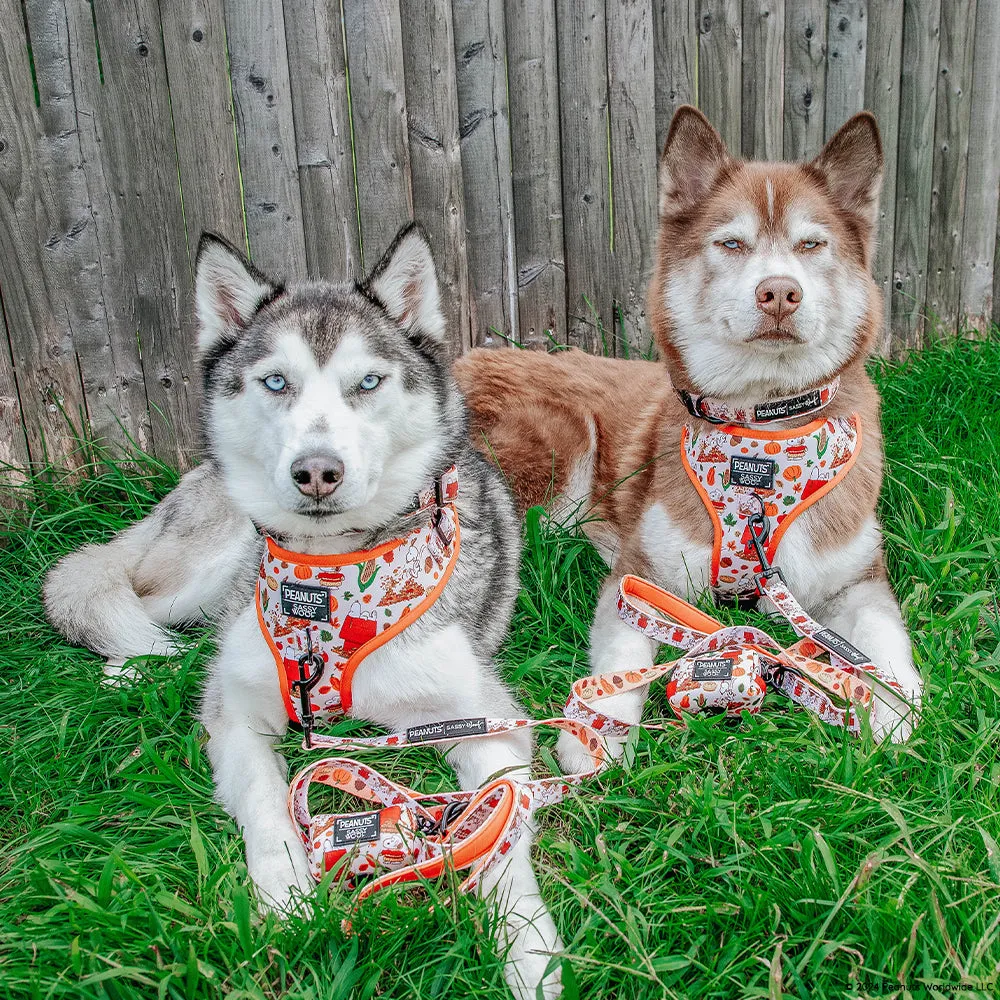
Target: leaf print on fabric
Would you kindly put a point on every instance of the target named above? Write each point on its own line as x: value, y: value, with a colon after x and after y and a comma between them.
x: 761, y: 474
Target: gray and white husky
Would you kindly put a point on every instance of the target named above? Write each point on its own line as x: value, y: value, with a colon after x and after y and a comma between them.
x: 327, y: 408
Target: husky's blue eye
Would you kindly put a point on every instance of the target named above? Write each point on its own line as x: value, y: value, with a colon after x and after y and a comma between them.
x: 369, y: 382
x: 732, y: 244
x: 276, y: 383
x: 809, y: 244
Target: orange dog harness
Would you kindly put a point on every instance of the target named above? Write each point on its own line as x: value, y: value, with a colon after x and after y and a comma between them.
x: 741, y: 471
x: 322, y: 615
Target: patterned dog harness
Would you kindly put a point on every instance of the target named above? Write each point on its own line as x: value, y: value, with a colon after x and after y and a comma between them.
x: 322, y: 615
x: 741, y: 469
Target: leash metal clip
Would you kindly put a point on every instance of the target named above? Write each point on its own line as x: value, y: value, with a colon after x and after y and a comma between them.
x: 305, y: 682
x: 451, y: 811
x: 760, y: 519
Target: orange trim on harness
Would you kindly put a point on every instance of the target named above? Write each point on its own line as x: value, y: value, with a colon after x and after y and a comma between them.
x: 371, y: 645
x: 799, y: 507
x: 285, y: 674
x: 343, y: 559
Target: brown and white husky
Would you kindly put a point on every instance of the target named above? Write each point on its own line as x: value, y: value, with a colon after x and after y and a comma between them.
x: 761, y: 292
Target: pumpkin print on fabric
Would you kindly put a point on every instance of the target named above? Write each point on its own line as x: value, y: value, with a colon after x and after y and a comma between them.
x: 788, y: 470
x: 344, y: 606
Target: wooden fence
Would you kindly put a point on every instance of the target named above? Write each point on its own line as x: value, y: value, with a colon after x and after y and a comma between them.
x: 523, y: 134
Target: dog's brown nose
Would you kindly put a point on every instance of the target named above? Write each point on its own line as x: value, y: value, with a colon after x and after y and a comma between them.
x: 318, y: 475
x: 779, y: 297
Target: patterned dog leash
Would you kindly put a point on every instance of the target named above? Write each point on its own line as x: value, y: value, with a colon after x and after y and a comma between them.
x: 408, y: 835
x: 729, y: 668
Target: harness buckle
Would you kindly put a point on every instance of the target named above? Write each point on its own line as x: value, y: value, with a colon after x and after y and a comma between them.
x: 305, y: 682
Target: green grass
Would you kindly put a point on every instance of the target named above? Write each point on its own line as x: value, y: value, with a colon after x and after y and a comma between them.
x: 774, y: 857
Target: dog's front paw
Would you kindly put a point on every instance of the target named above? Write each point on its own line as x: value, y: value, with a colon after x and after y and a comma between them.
x: 894, y: 717
x: 574, y: 757
x: 534, y: 942
x: 281, y: 876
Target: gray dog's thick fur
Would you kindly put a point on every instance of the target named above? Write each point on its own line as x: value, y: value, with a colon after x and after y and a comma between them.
x: 196, y: 555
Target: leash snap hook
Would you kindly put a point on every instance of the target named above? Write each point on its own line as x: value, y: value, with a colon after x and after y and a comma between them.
x: 305, y: 682
x: 450, y: 812
x: 759, y: 519
x: 756, y: 520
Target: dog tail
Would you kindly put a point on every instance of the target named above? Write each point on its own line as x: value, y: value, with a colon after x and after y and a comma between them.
x: 91, y: 600
x: 193, y: 557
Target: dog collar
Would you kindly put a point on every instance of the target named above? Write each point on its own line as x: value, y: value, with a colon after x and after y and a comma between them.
x: 716, y: 411
x: 321, y: 615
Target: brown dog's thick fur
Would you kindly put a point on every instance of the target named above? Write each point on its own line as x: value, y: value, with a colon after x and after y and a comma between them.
x: 603, y: 434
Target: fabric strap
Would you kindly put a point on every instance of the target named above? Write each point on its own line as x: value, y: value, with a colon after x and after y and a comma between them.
x: 486, y: 824
x: 829, y: 690
x: 718, y: 411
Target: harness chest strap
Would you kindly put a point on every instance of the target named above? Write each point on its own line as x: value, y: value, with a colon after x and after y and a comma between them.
x: 747, y: 654
x: 321, y: 616
x: 410, y: 835
x: 741, y: 471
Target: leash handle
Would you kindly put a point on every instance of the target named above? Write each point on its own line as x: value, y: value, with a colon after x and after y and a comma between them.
x: 319, y: 834
x: 831, y: 691
x: 661, y: 615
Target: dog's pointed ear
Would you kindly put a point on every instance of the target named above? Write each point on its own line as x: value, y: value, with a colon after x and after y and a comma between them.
x: 405, y: 282
x: 229, y: 290
x: 851, y: 163
x: 692, y: 159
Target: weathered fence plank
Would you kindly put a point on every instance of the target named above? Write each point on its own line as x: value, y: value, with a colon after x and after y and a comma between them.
x: 484, y: 130
x: 914, y: 178
x: 720, y: 67
x: 846, y: 39
x: 632, y: 114
x: 523, y: 134
x: 435, y: 157
x: 951, y: 151
x: 381, y: 149
x: 763, y: 78
x: 533, y: 83
x: 34, y: 226
x: 979, y: 229
x: 583, y: 106
x: 675, y: 59
x: 140, y: 167
x: 882, y: 70
x: 258, y: 67
x: 194, y: 41
x: 805, y: 78
x: 13, y: 444
x: 317, y: 69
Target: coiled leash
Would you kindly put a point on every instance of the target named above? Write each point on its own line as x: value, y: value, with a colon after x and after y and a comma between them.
x: 408, y: 835
x: 728, y: 669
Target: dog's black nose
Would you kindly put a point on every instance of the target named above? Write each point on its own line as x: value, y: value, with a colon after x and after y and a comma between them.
x: 318, y: 475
